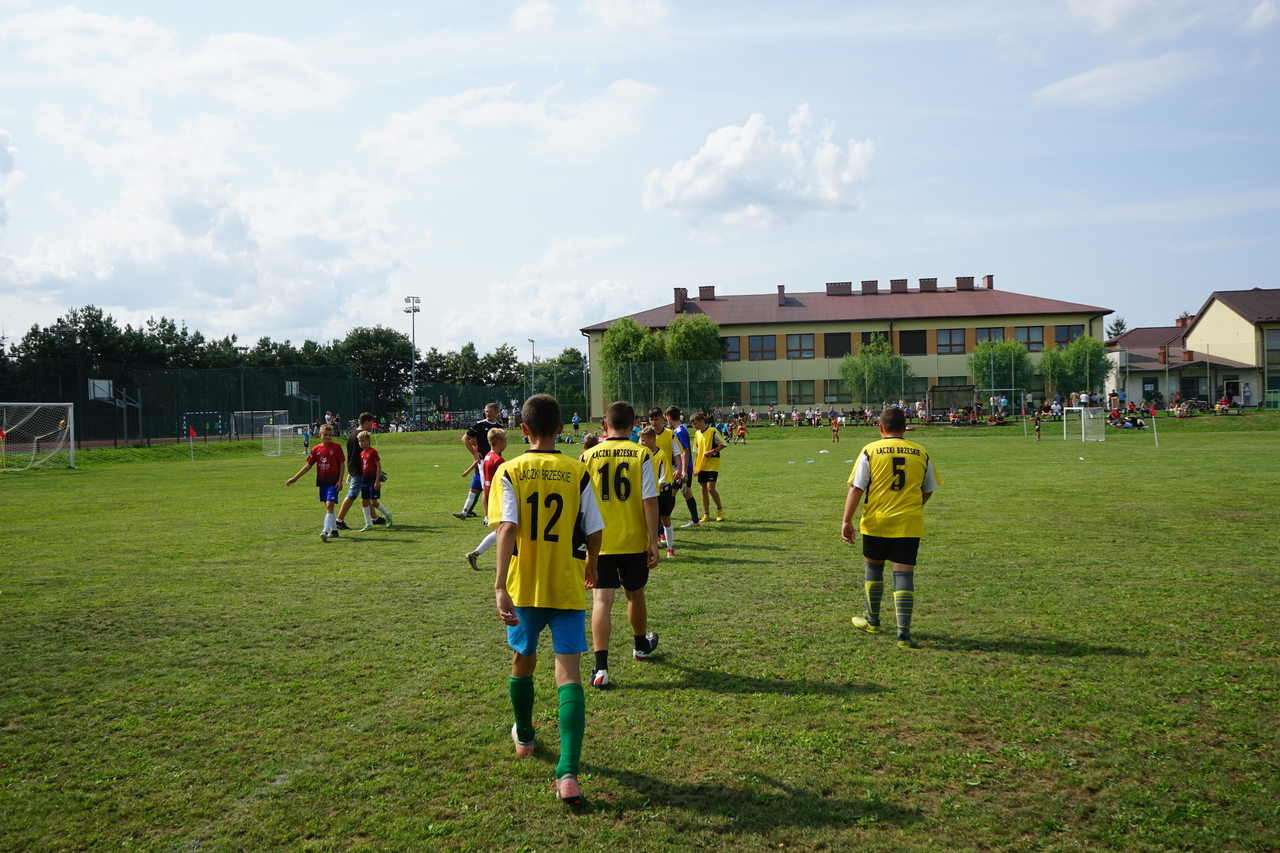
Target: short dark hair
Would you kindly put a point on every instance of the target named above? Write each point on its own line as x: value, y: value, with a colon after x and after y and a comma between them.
x: 893, y: 420
x: 673, y: 412
x: 655, y: 412
x: 541, y: 414
x: 621, y: 415
x: 699, y: 416
x: 365, y: 417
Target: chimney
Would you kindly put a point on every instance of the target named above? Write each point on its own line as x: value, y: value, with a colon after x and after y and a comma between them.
x: 1180, y: 322
x: 682, y: 293
x: 706, y: 291
x: 897, y: 285
x: 782, y: 295
x: 964, y: 282
x: 1163, y: 355
x: 870, y: 287
x: 1188, y: 355
x: 989, y: 282
x: 839, y: 288
x: 928, y: 285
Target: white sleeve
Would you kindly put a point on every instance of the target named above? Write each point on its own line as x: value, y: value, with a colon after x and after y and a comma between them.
x: 510, y: 506
x: 862, y: 472
x: 648, y: 485
x: 589, y: 510
x: 930, y: 481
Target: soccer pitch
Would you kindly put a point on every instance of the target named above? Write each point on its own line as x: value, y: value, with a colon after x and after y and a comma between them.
x: 185, y: 665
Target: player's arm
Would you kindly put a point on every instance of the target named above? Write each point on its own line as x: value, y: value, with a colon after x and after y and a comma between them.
x: 592, y: 527
x: 847, y: 531
x: 506, y: 546
x: 304, y: 469
x: 469, y: 442
x: 649, y: 491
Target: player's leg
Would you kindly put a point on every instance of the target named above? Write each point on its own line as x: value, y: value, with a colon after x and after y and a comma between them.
x: 691, y: 504
x: 353, y: 494
x: 904, y: 593
x: 523, y: 640
x: 875, y: 551
x: 706, y: 499
x: 569, y: 642
x: 715, y: 496
x: 472, y: 496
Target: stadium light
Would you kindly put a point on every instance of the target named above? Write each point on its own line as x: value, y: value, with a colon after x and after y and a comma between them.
x: 412, y: 308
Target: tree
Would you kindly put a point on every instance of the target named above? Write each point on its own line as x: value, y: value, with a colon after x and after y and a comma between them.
x: 435, y: 366
x: 1117, y: 327
x: 501, y: 367
x: 87, y: 334
x: 1052, y: 370
x: 383, y: 358
x: 693, y: 338
x: 625, y: 344
x: 1001, y: 364
x: 1084, y: 365
x: 875, y: 374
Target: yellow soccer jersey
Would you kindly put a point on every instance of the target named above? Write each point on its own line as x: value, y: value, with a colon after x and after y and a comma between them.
x: 893, y: 474
x: 705, y: 441
x: 664, y: 440
x: 548, y: 496
x: 622, y: 478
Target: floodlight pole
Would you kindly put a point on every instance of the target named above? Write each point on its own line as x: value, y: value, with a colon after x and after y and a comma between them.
x: 412, y: 308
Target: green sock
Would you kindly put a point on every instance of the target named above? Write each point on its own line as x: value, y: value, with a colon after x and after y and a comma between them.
x: 573, y: 720
x: 874, y: 586
x: 521, y: 690
x: 904, y: 594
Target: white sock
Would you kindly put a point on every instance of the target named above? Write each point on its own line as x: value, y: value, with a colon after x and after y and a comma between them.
x: 487, y: 542
x: 330, y: 522
x: 670, y: 530
x: 368, y: 514
x: 382, y: 509
x: 471, y: 501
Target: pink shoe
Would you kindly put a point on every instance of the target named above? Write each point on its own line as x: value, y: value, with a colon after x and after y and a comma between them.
x: 568, y: 790
x: 523, y: 748
x: 671, y: 553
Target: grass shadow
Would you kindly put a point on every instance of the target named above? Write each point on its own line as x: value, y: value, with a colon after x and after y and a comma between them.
x: 731, y: 682
x: 1031, y: 646
x: 759, y: 804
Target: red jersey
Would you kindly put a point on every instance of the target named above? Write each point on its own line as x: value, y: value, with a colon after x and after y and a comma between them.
x: 369, y: 462
x: 328, y: 459
x: 488, y: 468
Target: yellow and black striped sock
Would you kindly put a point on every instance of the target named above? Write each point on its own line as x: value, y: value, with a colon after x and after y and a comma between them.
x: 873, y: 588
x: 904, y: 594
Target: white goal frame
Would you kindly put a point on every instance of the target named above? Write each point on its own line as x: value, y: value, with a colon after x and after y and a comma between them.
x: 37, y: 435
x: 1093, y: 423
x: 283, y: 439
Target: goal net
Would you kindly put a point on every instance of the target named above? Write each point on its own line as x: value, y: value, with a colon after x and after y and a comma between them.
x: 284, y: 439
x: 37, y: 435
x: 248, y: 425
x: 1084, y: 424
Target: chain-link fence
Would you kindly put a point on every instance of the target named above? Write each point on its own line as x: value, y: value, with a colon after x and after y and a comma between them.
x: 691, y: 385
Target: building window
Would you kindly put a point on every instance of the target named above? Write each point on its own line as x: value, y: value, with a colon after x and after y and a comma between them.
x: 731, y: 348
x: 917, y: 388
x: 835, y: 391
x: 913, y: 342
x: 799, y: 346
x: 837, y: 344
x: 950, y: 341
x: 1063, y: 335
x: 763, y: 393
x: 953, y: 380
x: 993, y: 333
x: 730, y: 392
x: 762, y: 347
x: 1031, y: 337
x: 867, y: 336
x: 800, y: 391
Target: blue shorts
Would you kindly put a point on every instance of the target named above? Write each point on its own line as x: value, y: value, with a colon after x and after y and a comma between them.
x: 368, y: 491
x: 476, y: 485
x: 329, y: 494
x: 568, y: 630
x: 353, y: 486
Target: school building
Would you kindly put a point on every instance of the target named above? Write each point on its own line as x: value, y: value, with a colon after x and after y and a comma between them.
x: 786, y: 348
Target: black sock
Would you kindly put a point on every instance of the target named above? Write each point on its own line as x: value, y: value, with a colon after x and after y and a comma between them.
x: 642, y: 643
x: 602, y: 659
x: 693, y: 509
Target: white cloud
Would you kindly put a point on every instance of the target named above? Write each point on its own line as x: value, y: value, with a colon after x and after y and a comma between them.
x: 431, y: 135
x: 534, y: 15
x: 565, y: 254
x: 754, y: 174
x: 8, y: 163
x: 1263, y: 16
x: 1162, y: 19
x: 626, y: 13
x: 1122, y: 83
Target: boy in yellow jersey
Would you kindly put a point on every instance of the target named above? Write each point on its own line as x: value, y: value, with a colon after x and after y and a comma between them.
x: 666, y: 446
x: 898, y: 478
x: 627, y: 494
x: 548, y: 527
x: 707, y: 444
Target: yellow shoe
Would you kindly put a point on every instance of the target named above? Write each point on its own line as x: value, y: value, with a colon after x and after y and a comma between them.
x: 705, y: 518
x: 719, y: 515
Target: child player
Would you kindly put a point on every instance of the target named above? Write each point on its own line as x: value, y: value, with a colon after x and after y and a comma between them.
x: 370, y: 477
x: 489, y: 467
x: 684, y: 469
x: 627, y: 493
x: 548, y: 525
x: 898, y: 478
x: 708, y: 442
x: 665, y: 445
x: 328, y: 459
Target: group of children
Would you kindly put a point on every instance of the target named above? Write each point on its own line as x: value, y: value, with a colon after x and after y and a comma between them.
x: 364, y: 475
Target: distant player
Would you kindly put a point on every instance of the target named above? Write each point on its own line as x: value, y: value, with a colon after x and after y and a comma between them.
x: 548, y: 528
x: 577, y: 422
x: 370, y: 474
x: 835, y: 430
x: 898, y: 478
x: 627, y: 493
x: 354, y: 478
x: 684, y: 465
x: 488, y: 468
x: 476, y: 440
x: 708, y: 442
x: 666, y: 445
x: 328, y: 459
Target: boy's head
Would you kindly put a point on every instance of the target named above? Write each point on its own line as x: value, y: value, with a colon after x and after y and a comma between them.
x: 649, y: 437
x: 655, y: 418
x: 368, y: 422
x: 540, y: 416
x: 673, y: 414
x: 699, y: 420
x: 589, y: 442
x: 497, y: 439
x: 326, y: 432
x: 363, y: 437
x: 893, y: 421
x: 620, y: 417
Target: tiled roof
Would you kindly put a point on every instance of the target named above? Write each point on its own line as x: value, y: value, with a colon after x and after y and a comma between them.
x: 1255, y: 306
x: 827, y: 308
x: 1149, y: 336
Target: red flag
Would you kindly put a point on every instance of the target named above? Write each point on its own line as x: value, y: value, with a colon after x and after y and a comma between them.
x: 191, y: 431
x: 2, y: 435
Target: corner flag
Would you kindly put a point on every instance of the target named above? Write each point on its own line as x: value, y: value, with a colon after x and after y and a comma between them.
x: 191, y: 431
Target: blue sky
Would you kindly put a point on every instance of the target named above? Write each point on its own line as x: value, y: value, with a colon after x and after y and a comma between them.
x: 296, y: 169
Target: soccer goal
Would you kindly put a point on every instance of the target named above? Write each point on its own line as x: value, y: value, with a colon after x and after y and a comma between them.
x: 285, y: 439
x: 37, y: 435
x: 1084, y: 424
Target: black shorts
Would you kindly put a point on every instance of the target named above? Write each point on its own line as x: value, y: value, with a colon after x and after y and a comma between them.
x: 666, y: 501
x: 622, y: 570
x: 708, y: 476
x: 894, y: 549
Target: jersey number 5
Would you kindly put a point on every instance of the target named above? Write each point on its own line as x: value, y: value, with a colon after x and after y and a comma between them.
x: 899, y: 473
x: 551, y: 500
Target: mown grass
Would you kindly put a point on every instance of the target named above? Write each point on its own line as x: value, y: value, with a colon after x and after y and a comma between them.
x: 184, y: 665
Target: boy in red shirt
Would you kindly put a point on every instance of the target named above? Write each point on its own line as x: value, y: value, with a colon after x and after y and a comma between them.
x: 370, y: 473
x: 488, y: 467
x: 328, y: 459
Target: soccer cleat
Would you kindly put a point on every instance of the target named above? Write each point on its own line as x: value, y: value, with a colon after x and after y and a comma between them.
x: 653, y: 644
x: 379, y: 520
x: 671, y: 553
x: 908, y: 643
x: 719, y: 515
x: 366, y: 528
x: 471, y: 514
x: 600, y: 678
x: 375, y: 521
x: 523, y: 748
x: 690, y: 524
x: 342, y: 525
x: 861, y: 623
x: 471, y: 558
x: 333, y: 534
x: 662, y: 541
x: 568, y: 790
x: 461, y: 516
x: 324, y: 536
x: 705, y: 518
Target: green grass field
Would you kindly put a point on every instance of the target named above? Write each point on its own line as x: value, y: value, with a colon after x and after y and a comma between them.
x: 185, y: 665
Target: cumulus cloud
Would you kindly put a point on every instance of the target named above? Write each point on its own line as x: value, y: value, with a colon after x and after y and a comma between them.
x: 1263, y: 16
x: 534, y: 15
x: 1120, y: 83
x: 432, y: 134
x: 565, y: 254
x: 626, y: 13
x: 8, y: 163
x: 754, y: 173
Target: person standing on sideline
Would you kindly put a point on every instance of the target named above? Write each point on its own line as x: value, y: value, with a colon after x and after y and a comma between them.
x: 355, y: 479
x: 476, y: 440
x: 683, y: 448
x: 627, y: 494
x: 549, y: 529
x: 898, y: 478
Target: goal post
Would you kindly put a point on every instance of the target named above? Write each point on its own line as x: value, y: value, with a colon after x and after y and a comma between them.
x: 285, y: 439
x: 1084, y: 424
x: 37, y: 435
